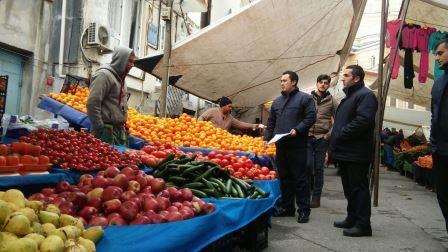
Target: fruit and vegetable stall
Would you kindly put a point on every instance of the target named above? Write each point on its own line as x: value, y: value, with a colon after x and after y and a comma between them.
x: 187, y: 187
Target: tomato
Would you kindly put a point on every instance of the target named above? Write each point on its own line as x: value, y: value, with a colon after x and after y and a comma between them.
x: 2, y: 160
x: 34, y: 150
x: 262, y: 177
x: 3, y: 149
x: 231, y: 171
x: 248, y: 163
x: 237, y: 165
x: 242, y: 170
x: 219, y: 156
x: 211, y: 154
x: 215, y: 160
x: 27, y: 160
x: 224, y: 162
x: 12, y: 160
x: 238, y: 175
x: 160, y: 154
x: 18, y: 147
x: 264, y: 170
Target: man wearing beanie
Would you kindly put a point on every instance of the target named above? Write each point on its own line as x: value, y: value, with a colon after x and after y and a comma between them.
x: 221, y: 117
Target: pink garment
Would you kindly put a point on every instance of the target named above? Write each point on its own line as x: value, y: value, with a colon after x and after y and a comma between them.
x: 409, y: 37
x: 391, y: 39
x: 422, y: 45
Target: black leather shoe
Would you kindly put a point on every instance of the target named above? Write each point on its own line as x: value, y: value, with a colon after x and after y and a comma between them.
x: 284, y: 213
x: 358, y: 231
x: 303, y: 218
x: 344, y: 224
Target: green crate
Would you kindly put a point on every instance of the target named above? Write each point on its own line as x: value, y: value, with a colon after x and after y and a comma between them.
x: 407, y: 167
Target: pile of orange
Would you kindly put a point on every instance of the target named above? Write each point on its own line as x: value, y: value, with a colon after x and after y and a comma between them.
x: 77, y: 100
x: 187, y: 131
x: 425, y: 162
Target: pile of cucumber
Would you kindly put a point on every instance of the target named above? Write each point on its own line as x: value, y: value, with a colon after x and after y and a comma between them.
x: 204, y: 178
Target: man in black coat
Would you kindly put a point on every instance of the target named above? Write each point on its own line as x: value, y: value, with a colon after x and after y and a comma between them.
x: 439, y: 127
x: 352, y: 147
x: 293, y: 112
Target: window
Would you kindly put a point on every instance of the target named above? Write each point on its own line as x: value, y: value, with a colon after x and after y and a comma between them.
x: 153, y: 25
x: 135, y: 26
x: 115, y: 13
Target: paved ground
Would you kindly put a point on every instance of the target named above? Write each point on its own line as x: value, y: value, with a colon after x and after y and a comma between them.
x: 408, y: 219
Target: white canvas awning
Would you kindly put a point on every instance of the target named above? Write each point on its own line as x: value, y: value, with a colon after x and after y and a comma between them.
x: 244, y: 55
x: 424, y: 12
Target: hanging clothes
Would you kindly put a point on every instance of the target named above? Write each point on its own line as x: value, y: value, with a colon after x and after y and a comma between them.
x: 422, y: 45
x: 391, y: 39
x: 434, y: 39
x: 409, y: 42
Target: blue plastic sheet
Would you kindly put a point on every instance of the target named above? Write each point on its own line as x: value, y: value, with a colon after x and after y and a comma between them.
x: 193, y: 234
x: 70, y: 114
x: 32, y: 183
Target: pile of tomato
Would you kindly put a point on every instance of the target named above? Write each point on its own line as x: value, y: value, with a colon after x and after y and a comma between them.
x: 151, y: 155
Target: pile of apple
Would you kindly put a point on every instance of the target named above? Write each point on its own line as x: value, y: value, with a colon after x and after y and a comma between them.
x: 34, y: 226
x: 151, y: 155
x: 126, y: 197
x: 79, y: 151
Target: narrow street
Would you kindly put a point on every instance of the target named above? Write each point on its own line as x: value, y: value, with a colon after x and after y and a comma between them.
x: 408, y: 218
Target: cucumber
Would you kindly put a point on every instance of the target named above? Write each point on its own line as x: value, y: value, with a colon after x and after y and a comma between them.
x: 192, y: 169
x: 240, y: 183
x: 204, y: 175
x: 164, y: 161
x: 210, y: 192
x: 198, y: 193
x: 177, y: 179
x: 194, y: 185
x: 208, y: 183
x: 239, y: 191
x: 169, y: 184
x: 220, y: 183
x: 229, y: 186
x: 233, y: 191
x: 261, y: 192
x: 254, y: 195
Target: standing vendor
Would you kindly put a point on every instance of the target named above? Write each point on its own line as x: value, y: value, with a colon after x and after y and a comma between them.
x: 221, y: 117
x: 107, y: 104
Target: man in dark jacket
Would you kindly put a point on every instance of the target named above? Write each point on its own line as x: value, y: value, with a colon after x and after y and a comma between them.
x: 439, y: 127
x: 293, y: 112
x: 319, y: 134
x: 352, y: 145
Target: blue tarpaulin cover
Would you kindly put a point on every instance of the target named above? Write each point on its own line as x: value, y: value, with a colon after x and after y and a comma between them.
x: 70, y: 114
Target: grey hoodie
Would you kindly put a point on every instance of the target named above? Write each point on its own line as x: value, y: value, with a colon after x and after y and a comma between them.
x: 104, y: 104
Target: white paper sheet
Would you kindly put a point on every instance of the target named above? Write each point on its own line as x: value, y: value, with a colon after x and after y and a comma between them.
x: 278, y: 137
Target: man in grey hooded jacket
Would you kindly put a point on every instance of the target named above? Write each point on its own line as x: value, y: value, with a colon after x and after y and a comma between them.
x: 107, y: 106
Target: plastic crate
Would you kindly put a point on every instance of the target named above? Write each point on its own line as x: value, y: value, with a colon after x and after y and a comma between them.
x: 255, y: 235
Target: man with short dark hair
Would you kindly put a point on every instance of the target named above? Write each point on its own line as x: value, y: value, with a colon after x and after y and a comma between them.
x: 293, y: 112
x: 352, y: 145
x: 319, y: 134
x: 222, y: 118
x: 439, y: 127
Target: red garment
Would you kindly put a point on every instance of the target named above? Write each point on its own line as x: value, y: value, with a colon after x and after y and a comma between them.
x: 391, y: 39
x: 409, y: 37
x: 422, y: 45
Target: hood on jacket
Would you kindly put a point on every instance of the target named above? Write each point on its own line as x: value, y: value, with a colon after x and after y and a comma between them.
x: 119, y: 61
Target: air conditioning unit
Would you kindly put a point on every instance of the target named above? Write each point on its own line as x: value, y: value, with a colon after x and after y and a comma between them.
x: 98, y: 36
x: 165, y: 14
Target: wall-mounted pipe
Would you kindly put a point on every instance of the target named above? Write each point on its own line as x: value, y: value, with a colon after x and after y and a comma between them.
x: 62, y: 39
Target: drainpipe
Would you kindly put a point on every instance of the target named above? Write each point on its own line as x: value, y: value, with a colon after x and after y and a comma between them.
x: 62, y: 39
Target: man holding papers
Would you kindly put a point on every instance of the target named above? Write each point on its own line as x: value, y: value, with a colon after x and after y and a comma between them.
x: 293, y: 112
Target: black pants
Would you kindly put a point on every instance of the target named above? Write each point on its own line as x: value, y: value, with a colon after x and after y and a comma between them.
x: 294, y: 178
x: 356, y: 190
x: 408, y: 69
x: 440, y: 166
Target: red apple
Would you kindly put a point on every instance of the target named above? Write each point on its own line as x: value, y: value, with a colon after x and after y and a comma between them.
x: 128, y: 210
x: 164, y: 203
x: 127, y: 195
x: 65, y: 194
x: 177, y: 204
x: 196, y: 207
x: 86, y: 189
x: 129, y: 172
x: 188, y: 204
x: 164, y: 193
x: 187, y: 195
x: 117, y: 221
x: 174, y: 216
x: 100, y: 181
x: 98, y: 221
x: 48, y: 191
x: 208, y: 207
x: 140, y: 178
x: 112, y: 215
x: 37, y: 196
x: 172, y: 209
x: 101, y: 173
x: 111, y: 172
x: 146, y: 189
x: 85, y: 177
x: 96, y: 203
x: 195, y: 199
x: 157, y: 218
x: 150, y: 204
x: 164, y: 213
x: 87, y: 212
x: 67, y: 208
x: 134, y: 186
x: 80, y: 199
x: 111, y: 206
x: 140, y: 220
x: 62, y: 186
x: 121, y: 181
x: 74, y: 188
x: 137, y: 201
x: 149, y: 213
x: 186, y: 214
x: 157, y: 185
x: 111, y: 192
x: 57, y: 201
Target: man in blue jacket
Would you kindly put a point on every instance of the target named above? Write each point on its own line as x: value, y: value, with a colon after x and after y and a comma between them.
x: 293, y: 112
x: 352, y: 147
x: 439, y: 127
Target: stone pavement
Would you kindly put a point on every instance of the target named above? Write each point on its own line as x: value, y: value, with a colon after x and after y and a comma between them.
x: 408, y: 218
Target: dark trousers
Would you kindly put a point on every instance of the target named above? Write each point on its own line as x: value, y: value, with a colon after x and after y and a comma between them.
x: 317, y: 149
x: 440, y: 167
x: 389, y: 158
x: 356, y: 190
x: 294, y: 178
x: 408, y: 69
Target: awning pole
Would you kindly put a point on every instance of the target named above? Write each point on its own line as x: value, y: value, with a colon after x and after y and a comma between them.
x: 166, y: 60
